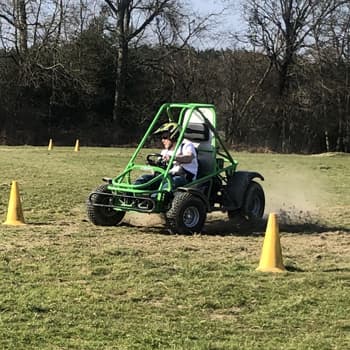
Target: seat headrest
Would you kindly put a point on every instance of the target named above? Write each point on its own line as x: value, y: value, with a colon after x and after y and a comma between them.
x: 197, y: 132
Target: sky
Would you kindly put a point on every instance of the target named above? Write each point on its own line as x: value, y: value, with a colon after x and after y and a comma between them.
x: 206, y: 6
x: 229, y: 21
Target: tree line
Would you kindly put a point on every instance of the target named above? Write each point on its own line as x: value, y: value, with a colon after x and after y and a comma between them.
x: 99, y: 70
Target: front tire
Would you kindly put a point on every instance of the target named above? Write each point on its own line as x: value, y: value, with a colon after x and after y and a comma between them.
x: 99, y: 215
x: 186, y: 215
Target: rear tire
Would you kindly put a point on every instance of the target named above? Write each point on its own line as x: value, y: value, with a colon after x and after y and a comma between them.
x: 186, y: 215
x: 103, y: 216
x: 253, y: 205
x: 254, y: 202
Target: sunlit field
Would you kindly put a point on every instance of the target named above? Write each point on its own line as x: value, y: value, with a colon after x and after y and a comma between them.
x: 67, y: 284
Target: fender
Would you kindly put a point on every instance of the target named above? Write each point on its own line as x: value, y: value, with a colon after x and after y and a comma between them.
x: 198, y: 193
x: 238, y: 184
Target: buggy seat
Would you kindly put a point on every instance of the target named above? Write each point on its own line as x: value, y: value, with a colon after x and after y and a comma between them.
x: 202, y: 138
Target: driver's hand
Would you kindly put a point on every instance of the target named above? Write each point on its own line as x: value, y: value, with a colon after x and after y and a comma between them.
x: 166, y: 158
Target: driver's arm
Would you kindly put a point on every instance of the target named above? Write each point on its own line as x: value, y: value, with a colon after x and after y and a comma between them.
x: 187, y: 154
x: 185, y: 157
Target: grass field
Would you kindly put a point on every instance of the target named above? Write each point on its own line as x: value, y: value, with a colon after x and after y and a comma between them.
x: 66, y: 284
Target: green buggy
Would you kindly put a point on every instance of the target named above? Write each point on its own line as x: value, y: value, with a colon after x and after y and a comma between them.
x: 218, y: 186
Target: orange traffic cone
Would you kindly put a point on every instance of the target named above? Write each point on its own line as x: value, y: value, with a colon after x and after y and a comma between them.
x: 77, y: 146
x: 14, y: 212
x: 49, y: 148
x: 271, y: 255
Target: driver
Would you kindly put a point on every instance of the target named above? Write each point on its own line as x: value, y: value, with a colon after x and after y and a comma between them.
x: 185, y: 165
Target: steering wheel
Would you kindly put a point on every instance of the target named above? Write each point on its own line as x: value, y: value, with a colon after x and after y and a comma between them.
x: 156, y: 159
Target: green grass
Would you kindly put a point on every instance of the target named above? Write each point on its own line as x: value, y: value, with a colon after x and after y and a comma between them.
x: 66, y: 284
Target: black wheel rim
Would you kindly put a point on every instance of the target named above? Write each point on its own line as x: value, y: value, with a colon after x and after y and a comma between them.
x: 191, y: 216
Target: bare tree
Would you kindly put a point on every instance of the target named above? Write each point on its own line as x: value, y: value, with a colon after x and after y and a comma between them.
x: 243, y: 75
x: 34, y: 37
x: 331, y: 53
x: 164, y: 21
x: 126, y: 14
x: 283, y: 28
x: 14, y: 15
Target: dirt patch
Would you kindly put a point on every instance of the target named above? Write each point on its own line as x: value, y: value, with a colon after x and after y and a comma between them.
x: 291, y: 220
x: 140, y: 219
x: 331, y: 154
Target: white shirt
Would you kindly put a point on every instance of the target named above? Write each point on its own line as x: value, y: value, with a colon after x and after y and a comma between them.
x: 186, y: 147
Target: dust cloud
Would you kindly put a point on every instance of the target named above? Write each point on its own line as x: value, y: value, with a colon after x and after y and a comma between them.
x: 296, y: 198
x: 147, y: 220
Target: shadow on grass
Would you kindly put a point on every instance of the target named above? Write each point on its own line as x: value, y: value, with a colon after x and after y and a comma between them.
x: 291, y: 268
x: 338, y: 269
x: 258, y: 227
x: 226, y: 227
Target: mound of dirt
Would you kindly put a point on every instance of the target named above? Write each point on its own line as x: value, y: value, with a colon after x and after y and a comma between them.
x: 331, y: 154
x: 147, y: 220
